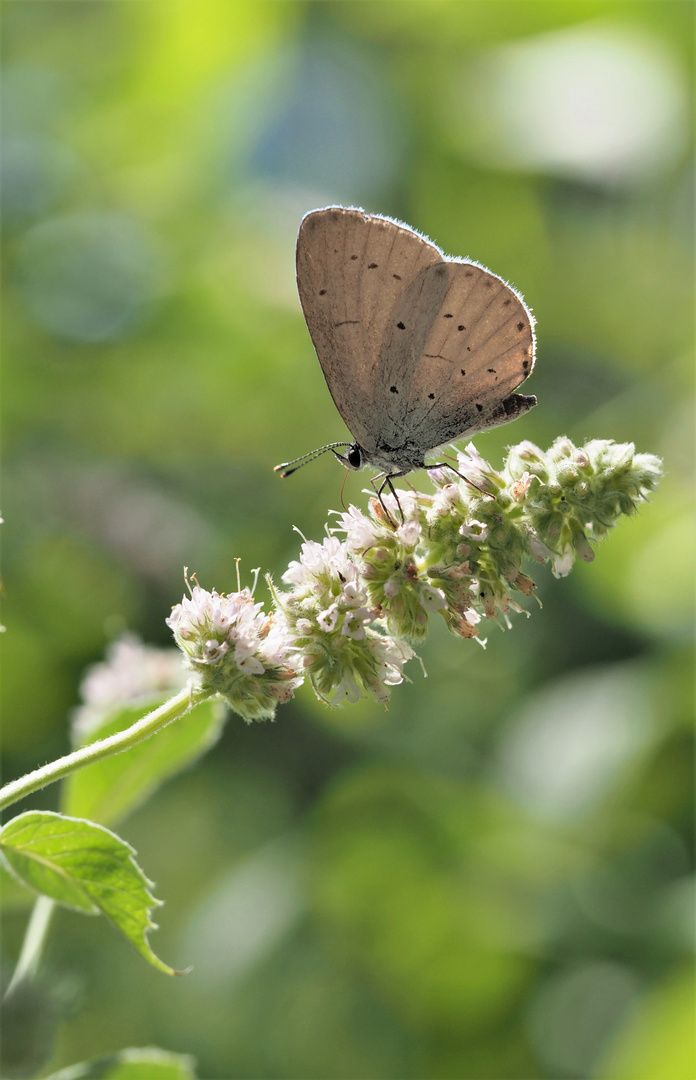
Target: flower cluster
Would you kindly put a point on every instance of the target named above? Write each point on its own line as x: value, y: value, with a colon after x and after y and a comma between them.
x: 336, y: 627
x: 132, y: 672
x: 385, y: 553
x: 579, y: 493
x: 353, y: 607
x: 236, y: 650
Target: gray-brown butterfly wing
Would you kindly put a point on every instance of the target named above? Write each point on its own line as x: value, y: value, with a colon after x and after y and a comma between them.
x: 353, y: 272
x: 417, y: 350
x: 478, y: 348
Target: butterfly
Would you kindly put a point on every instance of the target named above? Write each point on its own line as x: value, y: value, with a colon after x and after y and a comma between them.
x: 417, y: 349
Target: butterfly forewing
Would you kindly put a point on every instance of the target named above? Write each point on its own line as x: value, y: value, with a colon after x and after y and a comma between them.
x: 404, y: 346
x: 353, y: 271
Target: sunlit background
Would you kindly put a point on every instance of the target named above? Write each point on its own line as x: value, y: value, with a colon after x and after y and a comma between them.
x: 493, y: 877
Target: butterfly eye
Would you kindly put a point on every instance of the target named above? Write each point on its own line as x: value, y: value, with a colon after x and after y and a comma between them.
x: 354, y: 457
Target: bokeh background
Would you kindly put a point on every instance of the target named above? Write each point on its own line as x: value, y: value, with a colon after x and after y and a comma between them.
x: 493, y: 878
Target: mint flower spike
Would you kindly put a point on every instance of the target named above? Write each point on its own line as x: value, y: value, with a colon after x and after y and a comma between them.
x: 581, y: 494
x: 354, y: 605
x: 236, y: 650
x: 461, y: 551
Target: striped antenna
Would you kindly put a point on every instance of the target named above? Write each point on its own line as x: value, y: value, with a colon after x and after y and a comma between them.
x: 304, y: 459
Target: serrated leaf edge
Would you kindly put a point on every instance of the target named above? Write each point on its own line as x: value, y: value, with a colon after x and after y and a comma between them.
x: 142, y: 946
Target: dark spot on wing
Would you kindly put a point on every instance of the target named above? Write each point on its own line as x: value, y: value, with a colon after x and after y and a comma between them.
x: 479, y: 407
x: 448, y: 316
x: 520, y: 326
x: 506, y: 302
x: 431, y: 396
x: 461, y: 328
x: 372, y: 266
x: 488, y: 283
x: 393, y: 390
x: 402, y: 326
x: 491, y: 371
x: 525, y: 364
x: 440, y: 270
x: 468, y: 348
x: 469, y: 273
x: 354, y: 256
x: 397, y: 276
x: 322, y: 292
x: 462, y: 371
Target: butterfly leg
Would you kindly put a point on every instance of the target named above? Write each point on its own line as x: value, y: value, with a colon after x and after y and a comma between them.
x: 447, y: 465
x: 387, y: 482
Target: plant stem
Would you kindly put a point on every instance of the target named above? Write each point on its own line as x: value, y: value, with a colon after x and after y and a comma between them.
x: 176, y: 707
x: 34, y: 940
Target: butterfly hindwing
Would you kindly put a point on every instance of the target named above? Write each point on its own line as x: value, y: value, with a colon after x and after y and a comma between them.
x: 480, y: 348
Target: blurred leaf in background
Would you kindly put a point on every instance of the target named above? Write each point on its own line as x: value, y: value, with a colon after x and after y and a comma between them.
x: 494, y: 879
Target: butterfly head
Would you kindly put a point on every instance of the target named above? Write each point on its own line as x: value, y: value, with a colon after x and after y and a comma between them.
x: 354, y: 457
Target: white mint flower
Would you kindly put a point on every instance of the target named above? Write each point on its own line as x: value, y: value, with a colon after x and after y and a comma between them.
x: 477, y: 471
x: 347, y: 690
x: 327, y: 620
x: 474, y: 530
x: 444, y: 503
x: 353, y: 592
x: 432, y: 599
x: 355, y: 622
x: 520, y: 487
x: 236, y: 650
x: 213, y: 651
x: 246, y: 659
x: 390, y: 654
x: 409, y: 533
x: 361, y: 531
x: 562, y: 563
x: 320, y: 565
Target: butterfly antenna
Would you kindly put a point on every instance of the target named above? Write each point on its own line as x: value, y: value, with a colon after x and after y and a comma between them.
x: 287, y: 468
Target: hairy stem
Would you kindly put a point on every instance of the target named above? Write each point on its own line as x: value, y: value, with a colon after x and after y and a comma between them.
x: 173, y: 709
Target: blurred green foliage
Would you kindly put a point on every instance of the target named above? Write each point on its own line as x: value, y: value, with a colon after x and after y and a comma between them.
x: 493, y: 879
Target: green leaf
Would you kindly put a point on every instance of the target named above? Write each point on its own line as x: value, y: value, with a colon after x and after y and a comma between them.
x: 83, y: 866
x: 146, y: 1064
x: 14, y: 895
x: 111, y: 789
